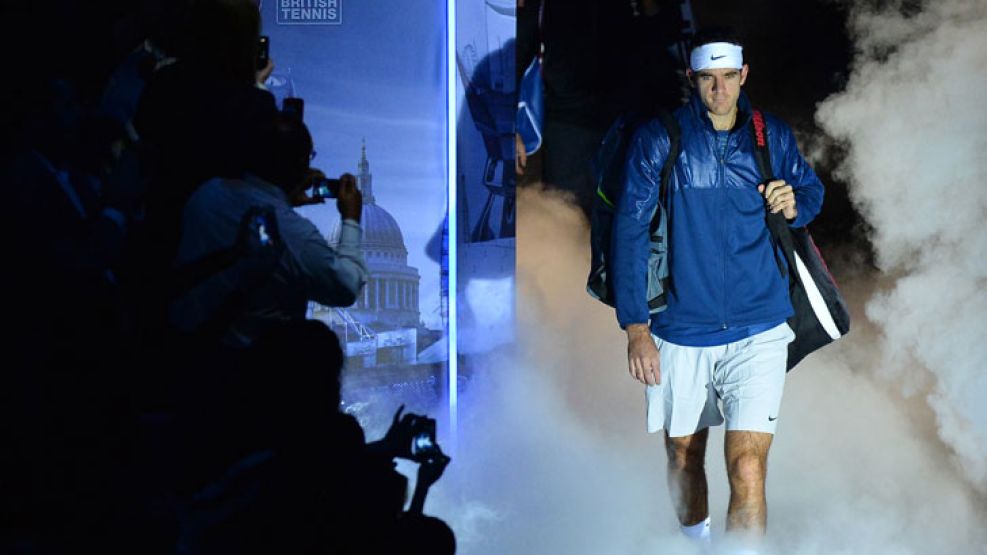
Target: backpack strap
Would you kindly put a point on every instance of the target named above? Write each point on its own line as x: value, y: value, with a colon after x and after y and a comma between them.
x: 674, y: 144
x: 776, y: 222
x: 675, y: 139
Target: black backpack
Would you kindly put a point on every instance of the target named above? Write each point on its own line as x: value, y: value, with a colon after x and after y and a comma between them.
x: 609, y: 171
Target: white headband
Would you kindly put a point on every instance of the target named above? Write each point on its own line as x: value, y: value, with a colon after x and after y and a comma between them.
x: 716, y: 55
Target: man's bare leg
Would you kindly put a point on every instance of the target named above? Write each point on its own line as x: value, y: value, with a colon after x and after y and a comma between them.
x: 747, y: 466
x: 687, y: 476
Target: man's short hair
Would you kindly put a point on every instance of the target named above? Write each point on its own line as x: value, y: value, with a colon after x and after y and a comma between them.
x: 708, y: 35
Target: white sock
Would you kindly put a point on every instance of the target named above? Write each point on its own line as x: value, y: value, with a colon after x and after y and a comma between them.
x: 697, y: 532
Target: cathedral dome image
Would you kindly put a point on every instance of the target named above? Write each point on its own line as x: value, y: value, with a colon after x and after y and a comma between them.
x: 380, y: 229
x: 390, y: 298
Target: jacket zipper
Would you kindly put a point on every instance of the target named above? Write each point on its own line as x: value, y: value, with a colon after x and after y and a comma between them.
x: 723, y: 235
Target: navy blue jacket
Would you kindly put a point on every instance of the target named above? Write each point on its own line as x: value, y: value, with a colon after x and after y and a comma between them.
x: 725, y: 281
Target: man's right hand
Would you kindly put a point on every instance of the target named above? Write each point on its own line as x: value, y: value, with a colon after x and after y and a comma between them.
x: 349, y: 200
x: 642, y: 355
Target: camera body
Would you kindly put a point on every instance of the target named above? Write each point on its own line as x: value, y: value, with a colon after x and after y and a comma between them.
x: 423, y: 443
x: 325, y: 188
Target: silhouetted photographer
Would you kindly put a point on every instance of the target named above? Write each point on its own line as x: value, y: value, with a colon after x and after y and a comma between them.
x: 305, y: 267
x: 273, y: 465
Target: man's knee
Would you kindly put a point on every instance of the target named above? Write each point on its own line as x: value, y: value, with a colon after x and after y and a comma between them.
x: 687, y: 453
x: 747, y: 458
x: 747, y: 470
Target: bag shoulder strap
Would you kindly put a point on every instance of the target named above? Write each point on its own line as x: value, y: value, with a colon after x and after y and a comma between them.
x: 776, y: 222
x: 674, y: 145
x: 762, y: 154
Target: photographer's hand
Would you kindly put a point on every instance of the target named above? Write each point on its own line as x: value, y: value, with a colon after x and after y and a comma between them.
x: 349, y: 200
x: 397, y: 441
x: 429, y: 472
x: 301, y: 196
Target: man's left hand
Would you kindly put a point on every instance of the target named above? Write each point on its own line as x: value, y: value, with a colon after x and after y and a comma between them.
x: 397, y: 441
x: 301, y: 197
x: 780, y: 198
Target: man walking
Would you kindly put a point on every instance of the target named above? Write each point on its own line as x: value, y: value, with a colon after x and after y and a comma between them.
x: 718, y: 351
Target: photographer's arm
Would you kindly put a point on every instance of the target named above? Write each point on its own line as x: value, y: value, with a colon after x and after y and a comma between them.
x: 429, y: 472
x: 335, y: 276
x: 417, y: 506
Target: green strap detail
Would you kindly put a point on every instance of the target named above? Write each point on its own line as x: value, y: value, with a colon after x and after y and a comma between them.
x: 599, y: 193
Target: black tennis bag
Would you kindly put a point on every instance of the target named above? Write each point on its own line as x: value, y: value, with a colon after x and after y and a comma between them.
x: 821, y: 315
x: 608, y: 166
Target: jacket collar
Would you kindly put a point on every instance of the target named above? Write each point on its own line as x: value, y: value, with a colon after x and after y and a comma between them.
x: 699, y: 111
x: 265, y: 187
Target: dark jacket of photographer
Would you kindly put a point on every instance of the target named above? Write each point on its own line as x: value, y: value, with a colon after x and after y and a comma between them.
x: 306, y: 266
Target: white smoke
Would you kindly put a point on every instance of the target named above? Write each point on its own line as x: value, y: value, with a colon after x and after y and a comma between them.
x: 553, y: 456
x: 914, y: 123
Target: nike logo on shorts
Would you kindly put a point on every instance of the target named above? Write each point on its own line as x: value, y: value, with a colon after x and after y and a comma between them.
x: 770, y: 419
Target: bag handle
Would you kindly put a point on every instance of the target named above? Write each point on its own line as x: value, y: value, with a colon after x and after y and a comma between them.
x: 776, y: 222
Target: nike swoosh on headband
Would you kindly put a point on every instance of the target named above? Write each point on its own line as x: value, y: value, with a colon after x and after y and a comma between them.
x: 714, y: 58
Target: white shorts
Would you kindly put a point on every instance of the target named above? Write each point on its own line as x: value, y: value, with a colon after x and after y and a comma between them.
x: 746, y: 377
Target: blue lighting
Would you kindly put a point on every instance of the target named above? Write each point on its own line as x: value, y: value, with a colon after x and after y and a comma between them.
x: 453, y: 213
